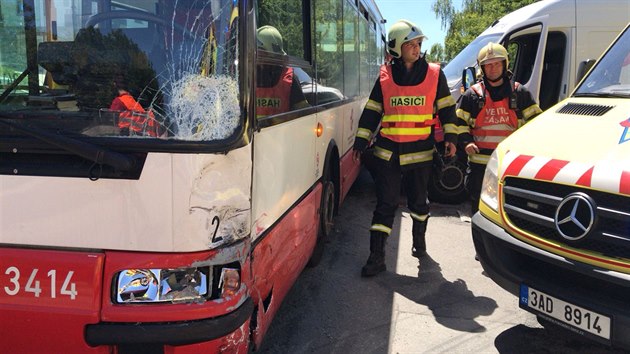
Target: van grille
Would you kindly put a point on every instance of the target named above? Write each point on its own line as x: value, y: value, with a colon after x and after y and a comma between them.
x: 584, y: 109
x: 531, y: 206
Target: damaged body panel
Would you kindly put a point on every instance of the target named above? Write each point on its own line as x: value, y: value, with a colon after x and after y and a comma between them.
x: 151, y: 199
x: 181, y: 203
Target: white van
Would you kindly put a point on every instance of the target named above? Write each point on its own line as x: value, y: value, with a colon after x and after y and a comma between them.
x: 553, y: 226
x: 549, y: 42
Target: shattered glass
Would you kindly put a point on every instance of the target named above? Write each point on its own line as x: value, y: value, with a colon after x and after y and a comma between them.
x: 143, y: 69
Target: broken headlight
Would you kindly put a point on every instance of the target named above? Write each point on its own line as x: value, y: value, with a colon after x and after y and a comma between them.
x: 161, y: 285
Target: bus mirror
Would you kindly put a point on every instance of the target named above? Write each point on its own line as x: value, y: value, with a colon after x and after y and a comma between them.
x: 583, y: 68
x: 468, y: 78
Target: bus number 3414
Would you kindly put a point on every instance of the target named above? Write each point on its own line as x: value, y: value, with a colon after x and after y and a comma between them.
x: 33, y: 284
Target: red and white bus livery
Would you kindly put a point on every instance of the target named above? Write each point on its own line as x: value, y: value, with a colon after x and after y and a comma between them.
x: 181, y: 230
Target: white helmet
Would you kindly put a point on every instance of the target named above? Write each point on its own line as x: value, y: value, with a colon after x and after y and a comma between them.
x: 492, y: 52
x: 401, y: 32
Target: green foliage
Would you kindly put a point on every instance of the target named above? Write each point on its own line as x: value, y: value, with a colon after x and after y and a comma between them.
x: 475, y: 16
x: 286, y: 17
x: 436, y: 54
x: 96, y: 59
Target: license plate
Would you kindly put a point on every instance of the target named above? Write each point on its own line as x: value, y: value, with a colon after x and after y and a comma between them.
x: 575, y: 316
x: 55, y: 279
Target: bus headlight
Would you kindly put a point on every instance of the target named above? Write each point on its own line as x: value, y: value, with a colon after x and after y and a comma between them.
x: 490, y: 185
x: 162, y: 285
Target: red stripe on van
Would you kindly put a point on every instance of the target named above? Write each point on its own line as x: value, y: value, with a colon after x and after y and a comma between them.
x: 550, y: 170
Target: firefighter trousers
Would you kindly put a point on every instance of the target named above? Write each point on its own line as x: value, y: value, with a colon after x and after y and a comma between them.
x: 388, y: 178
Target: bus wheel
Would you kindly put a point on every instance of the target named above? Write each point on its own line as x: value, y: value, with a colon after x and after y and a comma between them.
x: 326, y: 222
x: 448, y: 180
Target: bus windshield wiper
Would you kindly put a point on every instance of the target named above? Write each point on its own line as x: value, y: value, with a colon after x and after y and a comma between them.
x: 94, y: 153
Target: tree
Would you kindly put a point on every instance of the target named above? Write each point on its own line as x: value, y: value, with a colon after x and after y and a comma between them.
x: 436, y: 54
x: 475, y: 16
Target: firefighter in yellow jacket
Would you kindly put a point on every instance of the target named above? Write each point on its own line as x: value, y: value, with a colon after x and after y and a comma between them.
x: 404, y: 103
x: 489, y: 111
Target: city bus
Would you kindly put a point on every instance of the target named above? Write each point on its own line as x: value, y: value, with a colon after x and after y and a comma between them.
x: 156, y: 196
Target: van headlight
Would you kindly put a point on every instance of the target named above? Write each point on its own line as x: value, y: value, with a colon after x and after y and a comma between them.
x: 162, y: 285
x: 490, y: 185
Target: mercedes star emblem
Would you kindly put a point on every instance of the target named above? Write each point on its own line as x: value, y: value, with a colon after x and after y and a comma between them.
x: 575, y: 216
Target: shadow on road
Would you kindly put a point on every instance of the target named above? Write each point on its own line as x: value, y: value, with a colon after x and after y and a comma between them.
x: 451, y: 303
x: 523, y: 339
x: 331, y: 309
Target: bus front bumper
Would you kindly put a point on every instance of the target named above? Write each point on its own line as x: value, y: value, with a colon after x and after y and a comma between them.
x: 172, y: 333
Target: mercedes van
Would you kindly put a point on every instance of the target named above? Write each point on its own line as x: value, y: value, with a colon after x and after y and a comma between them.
x: 553, y: 226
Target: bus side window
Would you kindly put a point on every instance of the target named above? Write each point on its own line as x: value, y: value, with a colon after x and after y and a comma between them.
x: 280, y: 87
x: 329, y: 50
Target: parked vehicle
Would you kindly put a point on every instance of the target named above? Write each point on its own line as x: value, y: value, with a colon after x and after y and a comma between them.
x: 553, y: 226
x: 179, y: 222
x: 550, y: 43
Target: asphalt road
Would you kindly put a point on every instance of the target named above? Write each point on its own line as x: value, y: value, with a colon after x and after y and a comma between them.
x: 442, y: 304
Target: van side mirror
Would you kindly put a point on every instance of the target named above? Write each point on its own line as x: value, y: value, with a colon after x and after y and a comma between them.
x: 583, y: 68
x: 468, y: 78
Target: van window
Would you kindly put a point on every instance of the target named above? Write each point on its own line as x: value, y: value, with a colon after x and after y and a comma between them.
x: 467, y: 57
x: 553, y: 68
x: 522, y: 51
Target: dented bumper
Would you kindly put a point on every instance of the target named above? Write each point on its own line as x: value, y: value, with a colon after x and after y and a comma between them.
x: 171, y: 333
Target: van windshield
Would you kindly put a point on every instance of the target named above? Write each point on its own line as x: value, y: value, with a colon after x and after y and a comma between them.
x: 144, y: 71
x: 467, y: 57
x: 610, y: 77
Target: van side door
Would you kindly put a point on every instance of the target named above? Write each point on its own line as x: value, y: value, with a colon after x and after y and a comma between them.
x: 526, y: 46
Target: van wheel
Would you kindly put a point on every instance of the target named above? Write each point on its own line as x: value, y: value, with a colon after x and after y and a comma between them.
x: 326, y: 221
x: 448, y: 180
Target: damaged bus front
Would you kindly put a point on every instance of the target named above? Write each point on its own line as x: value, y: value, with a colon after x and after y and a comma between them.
x: 125, y: 177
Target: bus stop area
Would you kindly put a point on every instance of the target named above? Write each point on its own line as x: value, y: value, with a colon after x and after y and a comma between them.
x: 444, y: 303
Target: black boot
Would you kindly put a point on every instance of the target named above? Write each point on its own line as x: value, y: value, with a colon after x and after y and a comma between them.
x: 376, y: 262
x: 418, y: 232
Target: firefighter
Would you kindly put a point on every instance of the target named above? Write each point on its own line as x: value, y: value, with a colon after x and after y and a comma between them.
x: 489, y: 111
x: 132, y: 118
x: 404, y: 103
x: 278, y: 89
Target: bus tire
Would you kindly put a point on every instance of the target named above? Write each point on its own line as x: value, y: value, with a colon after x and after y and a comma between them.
x: 447, y: 184
x: 326, y: 221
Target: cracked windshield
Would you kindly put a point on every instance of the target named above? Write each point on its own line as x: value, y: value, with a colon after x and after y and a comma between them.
x: 152, y: 69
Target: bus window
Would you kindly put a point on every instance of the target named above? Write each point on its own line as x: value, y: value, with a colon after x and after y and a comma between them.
x: 328, y: 47
x: 351, y: 50
x: 289, y: 22
x: 278, y: 87
x: 178, y: 60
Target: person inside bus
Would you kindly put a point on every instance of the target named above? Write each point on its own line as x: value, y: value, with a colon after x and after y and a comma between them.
x: 278, y: 89
x: 404, y: 103
x: 133, y: 119
x: 489, y: 111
